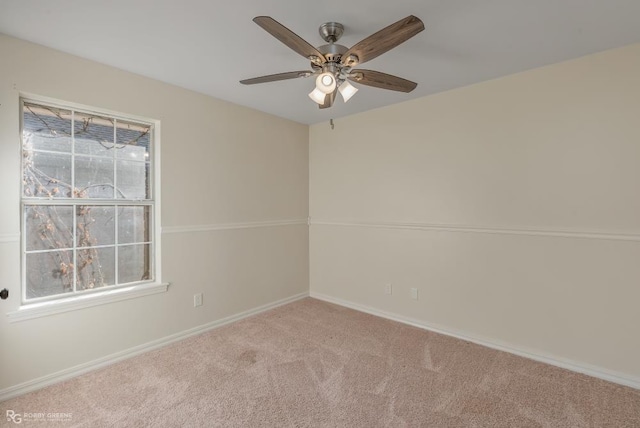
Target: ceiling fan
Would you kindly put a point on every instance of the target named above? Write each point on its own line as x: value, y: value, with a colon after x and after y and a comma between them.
x: 333, y: 64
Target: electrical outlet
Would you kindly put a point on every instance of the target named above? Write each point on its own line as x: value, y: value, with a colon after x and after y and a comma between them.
x: 388, y: 289
x: 414, y: 293
x: 197, y: 300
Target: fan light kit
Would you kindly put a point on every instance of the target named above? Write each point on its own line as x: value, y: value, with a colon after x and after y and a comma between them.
x: 332, y: 64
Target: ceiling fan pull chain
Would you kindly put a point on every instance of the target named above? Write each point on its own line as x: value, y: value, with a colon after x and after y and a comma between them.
x: 331, y: 123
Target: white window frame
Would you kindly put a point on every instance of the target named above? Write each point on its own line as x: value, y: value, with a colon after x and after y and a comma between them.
x: 34, y: 308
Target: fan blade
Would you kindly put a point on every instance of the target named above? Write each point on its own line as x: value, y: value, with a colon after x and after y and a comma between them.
x: 382, y: 80
x: 289, y: 38
x: 328, y: 100
x: 276, y: 77
x: 384, y: 40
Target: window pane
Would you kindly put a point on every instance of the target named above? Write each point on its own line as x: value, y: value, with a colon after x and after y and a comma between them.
x: 94, y: 177
x: 49, y: 273
x: 133, y: 141
x: 46, y: 128
x: 95, y: 225
x: 75, y: 246
x: 133, y: 224
x: 93, y: 135
x: 48, y: 227
x: 46, y: 175
x: 133, y: 263
x: 96, y: 267
x: 132, y: 179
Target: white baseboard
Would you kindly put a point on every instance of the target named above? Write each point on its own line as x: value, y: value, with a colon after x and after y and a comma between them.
x: 598, y: 372
x: 75, y: 371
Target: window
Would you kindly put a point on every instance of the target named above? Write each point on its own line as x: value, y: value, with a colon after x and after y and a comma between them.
x: 87, y: 202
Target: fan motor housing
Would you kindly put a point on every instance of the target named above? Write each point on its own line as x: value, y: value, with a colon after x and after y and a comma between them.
x: 332, y: 52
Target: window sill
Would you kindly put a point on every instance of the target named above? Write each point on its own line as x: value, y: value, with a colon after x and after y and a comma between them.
x: 37, y: 310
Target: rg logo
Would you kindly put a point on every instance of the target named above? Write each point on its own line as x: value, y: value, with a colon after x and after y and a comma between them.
x: 13, y: 417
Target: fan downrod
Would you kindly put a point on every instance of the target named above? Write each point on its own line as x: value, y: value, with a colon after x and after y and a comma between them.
x: 331, y: 31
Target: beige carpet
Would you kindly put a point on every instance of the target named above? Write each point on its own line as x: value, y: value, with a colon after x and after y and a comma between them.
x: 313, y: 364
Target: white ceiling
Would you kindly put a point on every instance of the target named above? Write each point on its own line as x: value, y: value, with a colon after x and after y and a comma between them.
x: 208, y: 46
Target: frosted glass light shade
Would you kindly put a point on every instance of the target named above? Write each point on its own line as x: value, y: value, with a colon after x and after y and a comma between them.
x: 317, y: 96
x: 326, y: 82
x: 347, y: 90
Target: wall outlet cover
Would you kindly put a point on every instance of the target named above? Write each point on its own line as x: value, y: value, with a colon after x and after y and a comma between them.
x: 197, y: 300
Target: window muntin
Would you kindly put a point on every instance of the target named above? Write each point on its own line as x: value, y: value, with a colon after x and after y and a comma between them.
x: 87, y: 202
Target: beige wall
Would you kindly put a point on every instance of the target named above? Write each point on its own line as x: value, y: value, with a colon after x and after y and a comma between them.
x: 221, y: 163
x: 517, y: 209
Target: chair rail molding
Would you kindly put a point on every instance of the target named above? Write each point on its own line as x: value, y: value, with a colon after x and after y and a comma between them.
x: 460, y: 228
x: 232, y: 226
